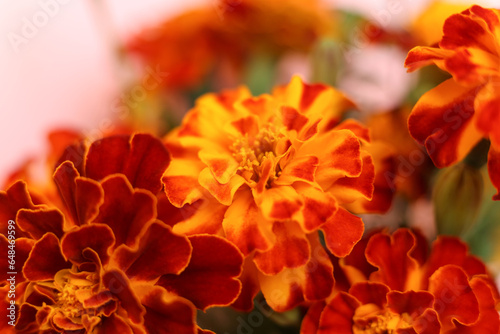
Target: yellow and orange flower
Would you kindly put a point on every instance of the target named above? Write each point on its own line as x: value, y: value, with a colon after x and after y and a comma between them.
x: 105, y: 262
x: 390, y: 284
x: 456, y: 115
x: 268, y: 173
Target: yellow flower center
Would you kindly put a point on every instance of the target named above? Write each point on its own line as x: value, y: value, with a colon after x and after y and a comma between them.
x: 74, y: 289
x: 369, y: 319
x: 251, y: 152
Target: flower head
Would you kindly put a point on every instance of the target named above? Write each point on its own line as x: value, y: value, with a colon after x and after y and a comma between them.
x: 104, y: 262
x: 268, y: 172
x: 390, y: 284
x: 455, y: 116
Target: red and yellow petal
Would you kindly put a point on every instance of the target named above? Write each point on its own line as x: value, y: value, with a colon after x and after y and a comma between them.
x: 181, y: 181
x: 246, y: 227
x: 392, y: 255
x: 125, y: 210
x: 224, y: 193
x: 203, y: 216
x: 319, y: 207
x: 486, y: 105
x: 291, y: 249
x: 210, y: 279
x: 222, y: 165
x: 443, y: 119
x: 159, y: 252
x: 338, y: 314
x: 280, y: 203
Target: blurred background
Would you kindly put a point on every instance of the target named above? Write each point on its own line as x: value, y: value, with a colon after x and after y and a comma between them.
x: 59, y: 68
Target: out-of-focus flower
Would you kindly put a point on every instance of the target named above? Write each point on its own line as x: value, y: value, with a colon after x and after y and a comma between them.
x: 454, y: 117
x: 428, y: 27
x: 268, y: 172
x: 390, y: 284
x: 219, y: 39
x: 104, y: 262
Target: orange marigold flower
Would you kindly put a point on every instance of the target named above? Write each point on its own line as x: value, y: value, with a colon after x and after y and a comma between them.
x: 390, y: 284
x: 453, y: 117
x: 105, y: 262
x: 268, y: 172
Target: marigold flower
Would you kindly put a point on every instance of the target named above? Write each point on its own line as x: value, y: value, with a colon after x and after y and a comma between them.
x: 391, y: 284
x: 267, y: 173
x: 453, y: 117
x: 105, y: 262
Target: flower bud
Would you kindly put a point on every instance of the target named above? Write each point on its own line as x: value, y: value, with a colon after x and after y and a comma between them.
x: 457, y: 199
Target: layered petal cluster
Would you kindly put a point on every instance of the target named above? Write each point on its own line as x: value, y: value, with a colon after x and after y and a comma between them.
x: 268, y: 173
x: 108, y: 260
x: 392, y: 284
x: 453, y: 117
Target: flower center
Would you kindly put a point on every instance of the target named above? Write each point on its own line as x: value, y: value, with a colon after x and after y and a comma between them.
x: 251, y: 152
x: 369, y: 321
x: 74, y: 289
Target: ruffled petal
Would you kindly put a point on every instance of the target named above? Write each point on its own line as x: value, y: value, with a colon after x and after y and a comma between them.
x: 16, y: 197
x: 181, y: 181
x: 222, y: 165
x: 443, y: 120
x: 280, y: 203
x: 141, y: 158
x: 224, y: 193
x: 45, y: 259
x: 299, y: 169
x: 250, y: 286
x: 125, y: 210
x: 211, y: 276
x: 319, y: 207
x: 203, y: 216
x: 246, y: 227
x: 310, y: 323
x: 291, y: 249
x: 338, y: 315
x: 97, y: 237
x: 454, y: 297
x: 165, y: 312
x: 342, y: 231
x: 159, y: 252
x: 81, y: 196
x: 392, y: 255
x: 370, y: 293
x: 40, y: 221
x: 410, y: 302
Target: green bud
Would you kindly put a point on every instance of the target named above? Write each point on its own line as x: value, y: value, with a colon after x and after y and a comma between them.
x: 327, y: 60
x: 457, y: 199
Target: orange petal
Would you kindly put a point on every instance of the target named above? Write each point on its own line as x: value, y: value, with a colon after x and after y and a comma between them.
x: 318, y: 208
x: 342, y: 231
x: 494, y: 170
x: 392, y: 255
x: 125, y: 210
x: 159, y: 252
x: 211, y: 276
x: 301, y: 168
x: 421, y: 56
x: 280, y: 203
x: 94, y: 236
x: 370, y: 293
x: 292, y: 119
x: 115, y: 324
x: 203, y: 216
x: 181, y: 182
x: 339, y: 155
x: 410, y: 302
x: 81, y: 196
x: 291, y: 249
x: 250, y: 286
x: 338, y: 315
x: 23, y: 249
x: 246, y: 227
x: 222, y: 164
x: 443, y: 120
x: 12, y: 200
x: 454, y: 297
x: 222, y: 192
x: 45, y: 260
x: 310, y: 323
